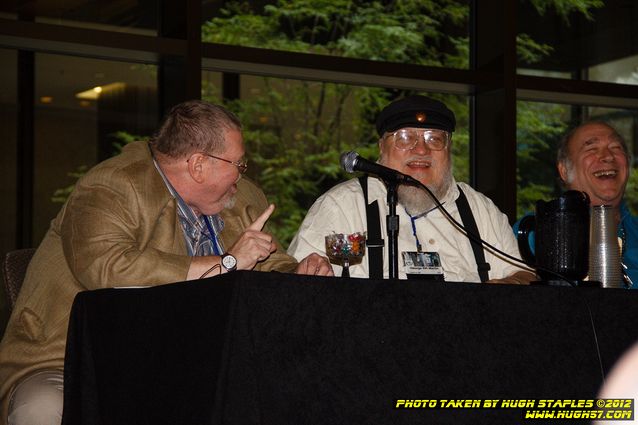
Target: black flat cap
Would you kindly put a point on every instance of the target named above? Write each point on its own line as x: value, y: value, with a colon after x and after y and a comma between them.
x: 415, y: 111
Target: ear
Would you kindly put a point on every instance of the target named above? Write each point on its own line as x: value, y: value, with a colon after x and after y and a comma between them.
x: 197, y: 167
x: 562, y: 171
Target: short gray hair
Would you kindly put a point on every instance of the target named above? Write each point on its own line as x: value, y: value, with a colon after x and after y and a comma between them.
x: 194, y: 126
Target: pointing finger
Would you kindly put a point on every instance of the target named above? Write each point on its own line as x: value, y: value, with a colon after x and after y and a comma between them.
x: 259, y: 223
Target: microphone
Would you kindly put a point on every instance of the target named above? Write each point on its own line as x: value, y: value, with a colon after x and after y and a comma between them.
x: 351, y: 162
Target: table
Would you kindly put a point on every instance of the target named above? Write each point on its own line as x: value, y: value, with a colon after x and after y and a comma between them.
x: 273, y: 348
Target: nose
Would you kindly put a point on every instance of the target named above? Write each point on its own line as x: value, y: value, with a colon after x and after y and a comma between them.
x: 606, y: 155
x: 421, y: 147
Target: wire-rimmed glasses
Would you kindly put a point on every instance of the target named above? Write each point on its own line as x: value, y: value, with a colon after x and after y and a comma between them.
x: 242, y: 164
x: 407, y: 138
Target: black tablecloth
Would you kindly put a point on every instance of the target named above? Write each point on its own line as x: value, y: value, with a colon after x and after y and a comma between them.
x: 271, y: 348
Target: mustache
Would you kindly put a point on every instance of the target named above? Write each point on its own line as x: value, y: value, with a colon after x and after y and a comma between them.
x: 424, y: 158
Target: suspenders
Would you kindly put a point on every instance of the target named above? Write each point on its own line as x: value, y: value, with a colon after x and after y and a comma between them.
x: 470, y: 225
x: 375, y: 243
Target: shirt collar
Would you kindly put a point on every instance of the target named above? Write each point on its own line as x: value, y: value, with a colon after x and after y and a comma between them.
x: 194, y: 227
x: 184, y: 209
x: 452, y: 193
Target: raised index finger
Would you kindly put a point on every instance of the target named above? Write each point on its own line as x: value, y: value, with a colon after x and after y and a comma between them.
x: 259, y: 223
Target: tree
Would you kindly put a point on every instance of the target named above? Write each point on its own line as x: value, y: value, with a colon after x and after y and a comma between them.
x: 295, y: 130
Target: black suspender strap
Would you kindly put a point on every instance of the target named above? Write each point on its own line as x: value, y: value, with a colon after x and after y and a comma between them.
x: 470, y: 225
x: 374, y: 241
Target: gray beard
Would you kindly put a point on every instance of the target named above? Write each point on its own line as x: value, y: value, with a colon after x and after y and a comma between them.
x: 230, y: 202
x: 416, y: 201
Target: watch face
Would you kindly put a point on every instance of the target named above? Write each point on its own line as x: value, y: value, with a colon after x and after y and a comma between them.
x: 229, y: 262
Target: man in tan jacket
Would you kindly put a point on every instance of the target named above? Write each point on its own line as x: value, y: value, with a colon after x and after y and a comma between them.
x: 166, y: 211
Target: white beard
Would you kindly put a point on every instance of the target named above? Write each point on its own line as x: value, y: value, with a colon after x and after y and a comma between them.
x: 230, y: 202
x: 416, y: 201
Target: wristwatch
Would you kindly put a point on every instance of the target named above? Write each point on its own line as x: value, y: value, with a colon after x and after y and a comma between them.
x: 229, y: 262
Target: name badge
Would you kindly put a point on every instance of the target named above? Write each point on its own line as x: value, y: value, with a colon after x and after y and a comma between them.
x: 422, y: 265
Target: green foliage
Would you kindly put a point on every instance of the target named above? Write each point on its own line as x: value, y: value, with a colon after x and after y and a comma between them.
x: 528, y: 51
x: 529, y: 194
x: 408, y: 31
x: 294, y: 133
x: 295, y: 130
x: 631, y: 193
x: 565, y: 7
x: 124, y: 138
x: 539, y: 128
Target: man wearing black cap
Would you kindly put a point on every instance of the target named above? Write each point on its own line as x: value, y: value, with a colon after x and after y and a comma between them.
x: 415, y: 139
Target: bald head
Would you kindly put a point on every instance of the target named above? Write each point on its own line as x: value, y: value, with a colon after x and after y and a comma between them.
x: 593, y: 158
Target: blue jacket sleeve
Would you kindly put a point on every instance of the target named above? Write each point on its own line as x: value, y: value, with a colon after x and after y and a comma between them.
x: 531, y: 237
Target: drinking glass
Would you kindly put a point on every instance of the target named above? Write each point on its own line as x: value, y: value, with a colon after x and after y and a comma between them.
x: 343, y: 249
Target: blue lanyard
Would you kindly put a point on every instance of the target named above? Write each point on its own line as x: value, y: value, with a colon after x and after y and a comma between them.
x: 419, y: 248
x: 213, y: 235
x: 413, y: 220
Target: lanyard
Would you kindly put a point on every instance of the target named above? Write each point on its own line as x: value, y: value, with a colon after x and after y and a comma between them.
x: 418, y: 244
x: 413, y: 219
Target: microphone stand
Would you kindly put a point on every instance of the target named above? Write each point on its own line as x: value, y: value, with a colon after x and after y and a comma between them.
x: 392, y: 223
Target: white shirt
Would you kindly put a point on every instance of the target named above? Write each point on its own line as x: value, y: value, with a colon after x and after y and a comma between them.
x: 342, y: 210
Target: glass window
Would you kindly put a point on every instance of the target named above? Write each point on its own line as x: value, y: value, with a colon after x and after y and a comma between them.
x: 622, y: 71
x: 120, y: 16
x: 8, y: 171
x: 6, y: 13
x: 8, y: 137
x: 424, y: 33
x: 84, y: 109
x: 540, y: 127
x: 588, y: 40
x: 295, y: 132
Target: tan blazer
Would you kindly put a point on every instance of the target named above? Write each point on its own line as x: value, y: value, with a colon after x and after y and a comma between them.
x: 119, y: 227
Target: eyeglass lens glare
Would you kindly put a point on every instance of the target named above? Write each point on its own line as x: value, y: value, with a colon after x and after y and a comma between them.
x: 408, y: 139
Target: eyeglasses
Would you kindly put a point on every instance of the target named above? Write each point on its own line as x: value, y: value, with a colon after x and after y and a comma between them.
x: 407, y: 139
x: 242, y: 164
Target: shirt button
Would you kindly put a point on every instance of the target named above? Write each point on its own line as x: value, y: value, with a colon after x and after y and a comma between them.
x: 431, y: 241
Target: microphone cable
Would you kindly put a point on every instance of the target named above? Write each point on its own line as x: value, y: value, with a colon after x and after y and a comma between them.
x: 351, y: 161
x: 486, y: 244
x: 349, y: 164
x: 477, y: 239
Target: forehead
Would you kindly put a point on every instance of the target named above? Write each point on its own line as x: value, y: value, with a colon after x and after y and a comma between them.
x: 233, y: 142
x: 591, y: 132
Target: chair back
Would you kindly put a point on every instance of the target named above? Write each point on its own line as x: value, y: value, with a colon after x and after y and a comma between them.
x: 14, y: 268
